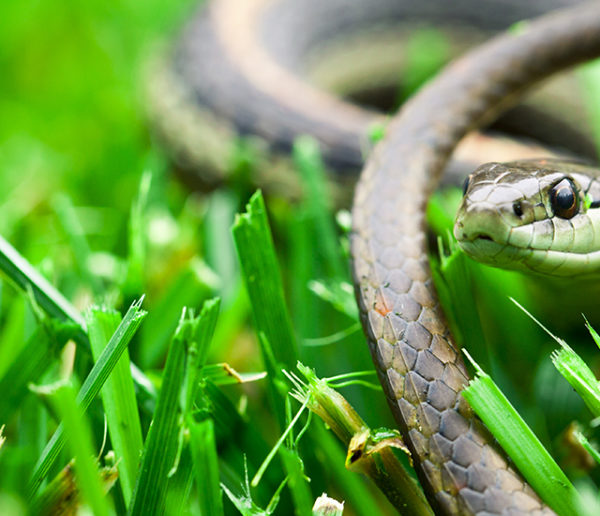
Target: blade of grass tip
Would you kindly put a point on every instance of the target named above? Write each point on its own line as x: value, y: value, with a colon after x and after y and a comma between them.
x: 118, y: 400
x: 198, y: 338
x: 206, y: 467
x: 40, y: 351
x: 197, y: 355
x: 162, y: 442
x: 224, y: 374
x: 307, y: 159
x: 91, y: 387
x: 520, y: 443
x: 79, y: 437
x: 574, y: 369
x: 340, y: 294
x: 593, y: 332
x: 28, y: 279
x: 262, y: 277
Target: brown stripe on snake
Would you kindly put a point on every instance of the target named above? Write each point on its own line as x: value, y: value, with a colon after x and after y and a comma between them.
x: 419, y: 365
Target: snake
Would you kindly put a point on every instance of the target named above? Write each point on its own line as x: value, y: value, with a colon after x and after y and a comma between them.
x: 217, y: 89
x: 535, y: 216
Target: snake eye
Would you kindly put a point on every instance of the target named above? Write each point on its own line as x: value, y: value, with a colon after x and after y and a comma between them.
x: 564, y: 199
x: 466, y: 184
x: 518, y: 208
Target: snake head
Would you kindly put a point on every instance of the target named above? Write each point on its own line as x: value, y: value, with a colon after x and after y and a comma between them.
x: 537, y: 215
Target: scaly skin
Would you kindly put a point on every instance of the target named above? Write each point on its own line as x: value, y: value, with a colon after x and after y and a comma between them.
x: 419, y: 365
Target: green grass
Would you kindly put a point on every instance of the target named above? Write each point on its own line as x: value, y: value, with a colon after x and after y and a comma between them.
x: 180, y: 413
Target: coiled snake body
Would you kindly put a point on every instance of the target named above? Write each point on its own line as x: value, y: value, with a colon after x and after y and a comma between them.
x: 419, y: 366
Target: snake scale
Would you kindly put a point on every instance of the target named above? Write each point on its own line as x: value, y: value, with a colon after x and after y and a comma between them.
x: 419, y: 366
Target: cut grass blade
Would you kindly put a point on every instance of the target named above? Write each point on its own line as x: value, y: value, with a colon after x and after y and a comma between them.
x: 200, y: 336
x: 79, y: 438
x: 91, y: 387
x: 118, y: 399
x: 27, y: 279
x: 262, y: 277
x: 579, y: 375
x: 164, y: 441
x: 206, y: 467
x: 160, y: 448
x: 523, y: 447
x: 573, y: 368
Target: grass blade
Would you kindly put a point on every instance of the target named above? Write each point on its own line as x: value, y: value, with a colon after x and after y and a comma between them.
x: 164, y: 441
x: 118, y: 399
x: 27, y: 279
x: 520, y: 443
x: 262, y: 276
x: 160, y: 449
x: 206, y: 467
x: 79, y: 437
x: 579, y: 375
x: 91, y: 387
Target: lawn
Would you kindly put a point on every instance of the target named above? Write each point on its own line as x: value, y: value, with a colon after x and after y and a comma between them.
x: 109, y: 261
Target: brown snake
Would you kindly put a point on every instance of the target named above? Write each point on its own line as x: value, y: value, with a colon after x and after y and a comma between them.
x: 423, y: 374
x: 419, y: 365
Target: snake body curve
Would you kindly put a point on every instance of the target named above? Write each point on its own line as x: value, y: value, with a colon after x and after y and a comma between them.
x: 420, y: 367
x: 256, y: 67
